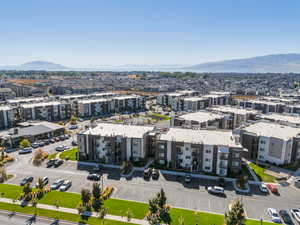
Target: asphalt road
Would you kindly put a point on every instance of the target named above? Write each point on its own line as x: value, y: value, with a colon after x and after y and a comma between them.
x: 21, y: 219
x: 191, y: 196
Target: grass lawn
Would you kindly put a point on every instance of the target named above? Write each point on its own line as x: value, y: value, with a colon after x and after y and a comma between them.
x: 119, y: 207
x: 260, y: 172
x: 52, y: 156
x: 159, y: 116
x: 11, y: 191
x: 71, y: 154
x: 65, y: 199
x: 190, y: 217
x: 54, y: 214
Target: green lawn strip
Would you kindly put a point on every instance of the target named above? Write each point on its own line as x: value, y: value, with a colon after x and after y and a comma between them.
x: 71, y: 154
x: 190, y: 217
x: 119, y: 207
x: 64, y: 199
x: 260, y: 172
x: 11, y: 191
x: 160, y: 116
x: 52, y: 156
x: 54, y: 214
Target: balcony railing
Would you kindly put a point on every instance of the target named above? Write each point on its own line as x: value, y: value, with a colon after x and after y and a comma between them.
x: 223, y: 165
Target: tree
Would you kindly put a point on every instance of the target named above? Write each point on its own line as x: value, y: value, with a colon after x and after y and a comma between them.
x: 27, y: 189
x: 96, y: 190
x: 158, y: 210
x: 25, y: 143
x: 40, y: 183
x: 3, y: 174
x: 235, y: 215
x: 56, y: 204
x: 73, y: 119
x: 102, y: 213
x: 85, y: 196
x: 129, y: 215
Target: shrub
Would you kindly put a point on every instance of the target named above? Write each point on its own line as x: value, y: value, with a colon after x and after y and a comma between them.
x: 39, y: 157
x: 107, y: 193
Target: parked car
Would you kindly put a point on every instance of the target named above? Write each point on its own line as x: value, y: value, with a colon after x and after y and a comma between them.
x: 73, y: 127
x: 147, y: 173
x: 61, y: 148
x: 274, y: 215
x: 47, y: 141
x: 66, y: 185
x: 286, y: 217
x: 25, y: 151
x: 155, y: 174
x: 51, y: 162
x: 58, y: 162
x: 45, y: 181
x: 187, y: 178
x: 52, y: 140
x: 273, y: 188
x: 216, y: 190
x: 62, y: 137
x: 74, y: 143
x: 296, y: 214
x: 263, y: 188
x: 222, y: 182
x: 80, y: 120
x: 26, y: 180
x: 41, y: 143
x: 94, y: 177
x: 57, y: 184
x: 35, y: 145
x: 57, y: 139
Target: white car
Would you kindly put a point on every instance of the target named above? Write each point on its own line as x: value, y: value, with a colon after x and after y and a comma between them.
x: 216, y: 190
x: 66, y: 185
x: 274, y: 215
x: 263, y: 188
x: 296, y: 214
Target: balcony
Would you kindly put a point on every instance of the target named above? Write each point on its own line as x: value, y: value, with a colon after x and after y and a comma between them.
x: 223, y: 157
x: 223, y: 165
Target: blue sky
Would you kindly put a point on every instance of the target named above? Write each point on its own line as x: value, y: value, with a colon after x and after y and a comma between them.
x: 95, y: 32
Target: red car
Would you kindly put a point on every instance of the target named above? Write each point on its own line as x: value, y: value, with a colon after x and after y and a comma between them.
x: 273, y: 188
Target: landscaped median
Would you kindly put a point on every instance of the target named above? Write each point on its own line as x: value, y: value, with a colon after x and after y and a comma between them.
x: 260, y: 173
x: 115, y: 207
x: 69, y: 154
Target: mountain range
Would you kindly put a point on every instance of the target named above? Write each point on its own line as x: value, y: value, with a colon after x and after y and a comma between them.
x: 279, y: 63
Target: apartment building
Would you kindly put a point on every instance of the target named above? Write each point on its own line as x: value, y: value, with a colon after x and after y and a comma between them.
x: 218, y: 98
x: 235, y: 117
x: 167, y: 99
x: 19, y: 101
x: 49, y: 111
x: 114, y: 143
x: 263, y: 106
x: 199, y: 120
x: 6, y: 93
x: 93, y: 107
x: 6, y: 117
x: 285, y: 119
x: 104, y: 106
x: 210, y: 151
x: 271, y: 142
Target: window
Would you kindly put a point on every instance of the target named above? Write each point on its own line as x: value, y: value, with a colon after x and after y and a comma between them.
x: 161, y: 147
x: 208, y: 151
x: 207, y: 160
x: 262, y: 142
x: 188, y: 157
x: 260, y: 157
x: 207, y: 168
x: 235, y: 163
x: 161, y: 161
x: 161, y: 154
x: 187, y: 149
x: 236, y: 155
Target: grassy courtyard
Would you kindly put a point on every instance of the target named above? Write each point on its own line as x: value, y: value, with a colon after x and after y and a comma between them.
x: 69, y: 154
x: 260, y: 172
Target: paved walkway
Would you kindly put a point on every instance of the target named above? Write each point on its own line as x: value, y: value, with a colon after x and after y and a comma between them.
x: 75, y: 211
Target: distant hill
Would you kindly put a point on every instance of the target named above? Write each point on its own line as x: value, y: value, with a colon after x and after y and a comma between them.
x: 36, y: 65
x: 281, y: 63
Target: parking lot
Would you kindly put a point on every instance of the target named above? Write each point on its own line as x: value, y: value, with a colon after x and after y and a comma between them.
x: 191, y: 196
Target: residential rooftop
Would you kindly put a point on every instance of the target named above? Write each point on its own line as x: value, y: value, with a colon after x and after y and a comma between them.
x: 5, y: 107
x: 208, y: 137
x: 111, y: 129
x: 194, y: 99
x: 235, y: 110
x: 268, y: 129
x: 40, y: 104
x: 281, y: 117
x: 201, y: 116
x: 18, y: 100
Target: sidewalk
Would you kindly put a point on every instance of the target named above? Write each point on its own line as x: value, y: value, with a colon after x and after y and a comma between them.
x: 75, y: 211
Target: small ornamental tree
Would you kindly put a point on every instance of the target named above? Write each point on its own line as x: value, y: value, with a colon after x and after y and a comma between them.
x: 236, y: 214
x: 25, y: 143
